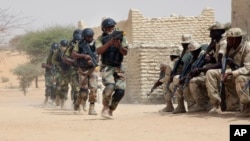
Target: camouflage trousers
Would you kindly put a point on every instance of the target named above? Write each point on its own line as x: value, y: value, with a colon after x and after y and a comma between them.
x: 180, y: 93
x: 49, y: 85
x: 114, y: 81
x: 88, y: 85
x: 233, y: 86
x: 74, y: 83
x: 198, y: 91
x: 62, y: 81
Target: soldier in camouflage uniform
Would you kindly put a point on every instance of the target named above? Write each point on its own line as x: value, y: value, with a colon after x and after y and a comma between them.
x: 49, y: 75
x: 63, y: 74
x: 237, y: 55
x: 84, y: 52
x: 67, y: 58
x: 185, y: 58
x: 112, y: 51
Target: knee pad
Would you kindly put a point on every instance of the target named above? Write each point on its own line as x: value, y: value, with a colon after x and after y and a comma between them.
x: 118, y: 95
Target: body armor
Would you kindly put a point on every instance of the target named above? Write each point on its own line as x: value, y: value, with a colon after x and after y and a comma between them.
x: 112, y: 56
x: 84, y: 48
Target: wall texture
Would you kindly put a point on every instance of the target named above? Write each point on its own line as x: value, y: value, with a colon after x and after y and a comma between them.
x: 142, y: 63
x: 140, y: 29
x: 240, y: 15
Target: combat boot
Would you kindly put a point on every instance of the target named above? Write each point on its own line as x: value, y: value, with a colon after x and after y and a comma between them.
x: 105, y: 113
x: 169, y: 107
x: 92, y: 109
x: 245, y: 111
x: 46, y: 100
x: 181, y: 107
x: 57, y: 100
x: 84, y: 106
x: 216, y: 109
x: 197, y: 108
x: 62, y: 103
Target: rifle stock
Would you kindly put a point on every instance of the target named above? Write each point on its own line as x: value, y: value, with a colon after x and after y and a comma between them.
x: 158, y: 83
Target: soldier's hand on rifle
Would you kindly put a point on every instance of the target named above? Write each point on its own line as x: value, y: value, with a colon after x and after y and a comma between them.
x: 116, y: 43
x: 232, y: 64
x: 182, y: 80
x: 195, y: 72
x: 87, y: 57
x: 229, y: 74
x: 209, y: 58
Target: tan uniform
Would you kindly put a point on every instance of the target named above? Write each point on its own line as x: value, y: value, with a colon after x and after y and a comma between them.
x: 167, y: 94
x: 233, y: 85
x: 197, y: 84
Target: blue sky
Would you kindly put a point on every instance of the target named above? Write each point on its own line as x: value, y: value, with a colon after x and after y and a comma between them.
x: 67, y: 12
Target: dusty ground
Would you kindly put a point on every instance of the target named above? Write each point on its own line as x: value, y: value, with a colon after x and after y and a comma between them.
x: 25, y: 118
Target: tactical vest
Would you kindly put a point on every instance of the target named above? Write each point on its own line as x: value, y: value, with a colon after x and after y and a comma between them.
x: 112, y: 55
x: 63, y: 65
x: 83, y: 49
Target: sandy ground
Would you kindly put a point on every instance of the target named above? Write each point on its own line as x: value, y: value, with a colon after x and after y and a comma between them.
x: 25, y: 118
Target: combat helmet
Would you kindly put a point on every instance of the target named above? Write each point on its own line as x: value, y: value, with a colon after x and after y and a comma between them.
x: 108, y: 22
x: 54, y: 46
x: 64, y: 43
x: 77, y: 35
x: 87, y: 32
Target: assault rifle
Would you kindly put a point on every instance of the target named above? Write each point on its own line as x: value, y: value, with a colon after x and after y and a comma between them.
x: 115, y: 35
x: 222, y: 84
x: 199, y: 63
x: 158, y: 83
x: 176, y: 66
x: 182, y: 75
x: 211, y: 47
x: 233, y: 66
x: 92, y: 55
